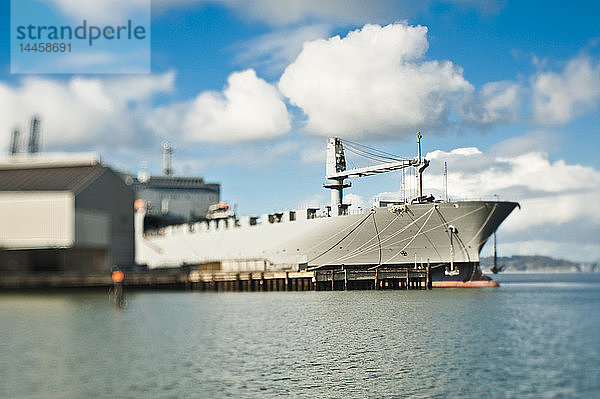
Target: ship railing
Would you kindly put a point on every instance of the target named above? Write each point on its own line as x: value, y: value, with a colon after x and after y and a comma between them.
x: 357, y: 211
x: 247, y: 221
x: 326, y: 212
x: 490, y: 198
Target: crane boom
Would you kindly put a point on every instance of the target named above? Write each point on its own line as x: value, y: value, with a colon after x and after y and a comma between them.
x: 336, y: 173
x: 372, y: 170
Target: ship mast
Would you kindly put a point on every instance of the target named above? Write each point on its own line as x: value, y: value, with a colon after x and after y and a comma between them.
x: 419, y: 172
x: 336, y: 163
x: 421, y: 165
x: 445, y: 181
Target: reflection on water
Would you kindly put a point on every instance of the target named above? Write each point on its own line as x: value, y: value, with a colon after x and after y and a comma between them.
x: 117, y: 296
x: 532, y: 337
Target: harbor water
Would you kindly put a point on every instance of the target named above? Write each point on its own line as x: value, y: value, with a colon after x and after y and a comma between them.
x: 535, y: 336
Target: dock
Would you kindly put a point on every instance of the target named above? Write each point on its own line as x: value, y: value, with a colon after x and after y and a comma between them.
x: 336, y: 279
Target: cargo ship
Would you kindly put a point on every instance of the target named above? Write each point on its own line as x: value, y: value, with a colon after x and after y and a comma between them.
x: 445, y: 235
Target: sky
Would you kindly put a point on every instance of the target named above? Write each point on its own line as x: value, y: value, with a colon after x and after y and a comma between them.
x: 507, y: 93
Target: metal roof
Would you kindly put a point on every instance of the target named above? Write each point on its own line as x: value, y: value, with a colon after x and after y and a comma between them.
x: 175, y: 182
x: 59, y: 178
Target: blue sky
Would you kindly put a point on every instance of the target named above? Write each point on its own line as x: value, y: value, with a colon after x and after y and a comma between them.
x: 248, y: 91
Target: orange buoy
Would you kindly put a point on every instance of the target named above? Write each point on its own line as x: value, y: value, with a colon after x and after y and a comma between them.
x: 118, y: 276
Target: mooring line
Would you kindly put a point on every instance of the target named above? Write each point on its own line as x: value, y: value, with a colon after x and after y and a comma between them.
x: 342, y: 239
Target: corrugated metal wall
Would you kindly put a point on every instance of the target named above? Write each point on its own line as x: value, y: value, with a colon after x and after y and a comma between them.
x: 36, y: 219
x: 112, y: 200
x: 92, y: 228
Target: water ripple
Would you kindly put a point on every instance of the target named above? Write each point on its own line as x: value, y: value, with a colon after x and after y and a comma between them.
x: 527, y: 339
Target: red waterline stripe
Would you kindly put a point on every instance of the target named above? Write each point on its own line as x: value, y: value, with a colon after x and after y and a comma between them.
x: 465, y: 284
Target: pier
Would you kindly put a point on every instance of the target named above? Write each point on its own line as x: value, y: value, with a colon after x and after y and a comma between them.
x: 337, y: 279
x: 373, y: 279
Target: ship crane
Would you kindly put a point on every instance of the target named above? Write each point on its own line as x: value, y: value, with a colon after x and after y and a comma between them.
x: 336, y: 171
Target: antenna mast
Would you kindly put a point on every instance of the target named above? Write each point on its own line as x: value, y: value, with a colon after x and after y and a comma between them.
x: 403, y: 187
x: 419, y: 176
x: 445, y: 181
x: 422, y: 163
x: 167, y: 152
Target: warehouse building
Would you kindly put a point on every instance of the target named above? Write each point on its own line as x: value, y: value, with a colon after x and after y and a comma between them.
x: 174, y: 199
x: 171, y: 199
x: 65, y: 215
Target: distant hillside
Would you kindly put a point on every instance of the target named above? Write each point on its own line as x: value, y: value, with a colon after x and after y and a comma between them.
x: 538, y: 264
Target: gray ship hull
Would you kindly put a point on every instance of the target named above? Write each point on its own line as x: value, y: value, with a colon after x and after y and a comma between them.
x: 442, y: 234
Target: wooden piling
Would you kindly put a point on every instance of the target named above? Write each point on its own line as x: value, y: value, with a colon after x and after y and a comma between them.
x: 428, y: 278
x: 378, y: 277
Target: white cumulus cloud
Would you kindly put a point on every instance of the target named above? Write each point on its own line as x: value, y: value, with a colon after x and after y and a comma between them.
x: 373, y: 81
x: 494, y: 103
x: 95, y: 113
x: 80, y: 111
x: 560, y: 97
x: 248, y: 108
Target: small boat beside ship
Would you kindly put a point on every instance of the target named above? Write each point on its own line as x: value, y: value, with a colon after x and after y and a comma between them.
x: 447, y: 236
